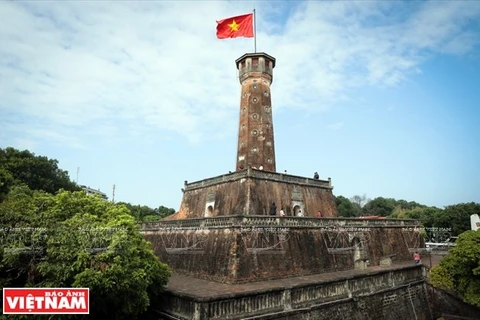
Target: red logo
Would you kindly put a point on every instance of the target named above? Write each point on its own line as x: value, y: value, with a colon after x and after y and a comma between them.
x: 46, y: 301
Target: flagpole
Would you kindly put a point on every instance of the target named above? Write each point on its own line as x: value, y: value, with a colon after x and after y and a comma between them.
x: 255, y: 30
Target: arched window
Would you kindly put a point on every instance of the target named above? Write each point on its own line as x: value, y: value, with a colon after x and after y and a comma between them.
x: 295, y: 210
x: 209, y: 211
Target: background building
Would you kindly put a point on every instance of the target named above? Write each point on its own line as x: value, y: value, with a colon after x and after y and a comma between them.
x: 91, y: 191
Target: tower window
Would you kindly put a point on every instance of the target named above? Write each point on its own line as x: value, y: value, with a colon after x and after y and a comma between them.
x: 267, y: 109
x: 255, y: 100
x: 255, y: 116
x: 269, y: 160
x: 254, y: 133
x: 254, y: 149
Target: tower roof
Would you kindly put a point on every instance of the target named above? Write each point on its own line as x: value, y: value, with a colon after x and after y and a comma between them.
x: 256, y: 54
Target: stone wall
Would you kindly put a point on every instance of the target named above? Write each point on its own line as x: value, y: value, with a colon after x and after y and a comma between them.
x: 244, y: 249
x: 393, y: 294
x: 444, y: 302
x: 251, y: 192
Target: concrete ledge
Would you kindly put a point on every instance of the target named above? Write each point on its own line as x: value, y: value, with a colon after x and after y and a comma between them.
x: 190, y: 298
x: 258, y: 174
x: 251, y: 221
x: 204, y: 290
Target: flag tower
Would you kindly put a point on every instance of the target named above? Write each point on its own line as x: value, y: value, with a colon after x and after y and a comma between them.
x: 225, y: 230
x: 255, y: 134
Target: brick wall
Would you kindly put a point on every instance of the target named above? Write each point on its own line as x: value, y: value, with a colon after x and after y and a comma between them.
x: 245, y: 253
x: 395, y: 294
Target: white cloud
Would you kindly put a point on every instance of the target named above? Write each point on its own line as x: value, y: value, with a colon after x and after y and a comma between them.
x: 335, y: 126
x: 145, y: 66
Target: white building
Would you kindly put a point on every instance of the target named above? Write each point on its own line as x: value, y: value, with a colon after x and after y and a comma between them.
x: 91, y: 191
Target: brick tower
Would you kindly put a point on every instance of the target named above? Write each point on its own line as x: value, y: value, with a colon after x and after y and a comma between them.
x: 255, y: 186
x: 255, y: 136
x: 225, y: 231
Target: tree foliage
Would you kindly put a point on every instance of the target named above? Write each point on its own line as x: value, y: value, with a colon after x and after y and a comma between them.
x: 359, y: 200
x: 37, y: 172
x: 458, y: 216
x: 147, y: 214
x: 74, y: 240
x: 345, y: 208
x: 19, y: 168
x: 380, y: 206
x: 363, y: 206
x: 454, y: 218
x: 459, y: 270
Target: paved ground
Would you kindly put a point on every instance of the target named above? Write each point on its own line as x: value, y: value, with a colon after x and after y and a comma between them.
x: 435, y: 258
x: 190, y: 286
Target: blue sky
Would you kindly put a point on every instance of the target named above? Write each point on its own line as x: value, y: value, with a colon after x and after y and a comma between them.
x: 380, y: 96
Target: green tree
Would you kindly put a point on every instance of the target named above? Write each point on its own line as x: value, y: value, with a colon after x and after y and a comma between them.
x: 345, y: 207
x: 37, y: 172
x: 403, y: 205
x: 147, y: 214
x: 454, y: 218
x: 459, y: 270
x: 164, y: 211
x: 76, y: 240
x: 6, y: 182
x: 458, y: 216
x: 431, y: 218
x: 360, y: 201
x: 380, y: 207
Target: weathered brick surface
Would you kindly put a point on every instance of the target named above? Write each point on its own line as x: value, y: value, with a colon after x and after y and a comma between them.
x: 240, y: 254
x: 397, y: 293
x: 446, y: 302
x: 256, y: 145
x: 251, y: 192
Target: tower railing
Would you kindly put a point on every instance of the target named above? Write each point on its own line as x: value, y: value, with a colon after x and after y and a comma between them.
x: 257, y: 68
x: 241, y: 221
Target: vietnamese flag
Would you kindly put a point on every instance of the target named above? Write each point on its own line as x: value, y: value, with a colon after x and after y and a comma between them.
x: 239, y: 26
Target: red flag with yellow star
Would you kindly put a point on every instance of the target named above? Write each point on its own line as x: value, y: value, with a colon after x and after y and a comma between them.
x: 239, y: 26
